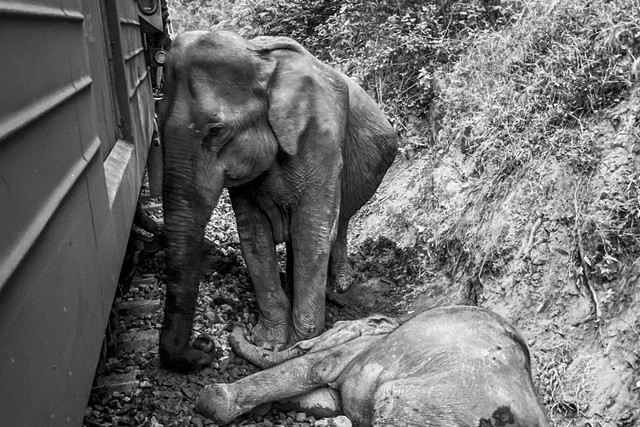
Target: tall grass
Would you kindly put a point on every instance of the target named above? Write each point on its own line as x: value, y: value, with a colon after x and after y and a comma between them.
x: 539, y: 90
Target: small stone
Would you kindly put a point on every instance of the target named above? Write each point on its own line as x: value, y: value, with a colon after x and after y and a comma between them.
x: 325, y: 422
x: 341, y: 421
x: 300, y: 417
x: 206, y: 372
x: 139, y: 359
x: 261, y: 411
x: 234, y: 373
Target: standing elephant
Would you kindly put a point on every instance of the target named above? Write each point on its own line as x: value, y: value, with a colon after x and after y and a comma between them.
x: 301, y: 148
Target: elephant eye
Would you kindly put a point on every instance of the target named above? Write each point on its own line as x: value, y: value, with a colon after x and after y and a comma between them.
x: 214, y: 130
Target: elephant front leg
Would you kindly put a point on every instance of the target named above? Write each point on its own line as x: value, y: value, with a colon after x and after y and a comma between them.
x: 175, y: 351
x: 258, y: 248
x: 184, y: 229
x: 313, y: 233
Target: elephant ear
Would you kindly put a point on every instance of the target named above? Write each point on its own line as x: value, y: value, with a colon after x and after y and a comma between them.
x: 296, y: 95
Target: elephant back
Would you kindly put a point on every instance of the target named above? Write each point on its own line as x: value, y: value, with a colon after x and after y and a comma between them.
x: 369, y: 148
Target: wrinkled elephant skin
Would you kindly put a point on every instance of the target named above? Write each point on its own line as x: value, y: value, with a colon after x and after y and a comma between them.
x: 449, y: 366
x: 300, y: 147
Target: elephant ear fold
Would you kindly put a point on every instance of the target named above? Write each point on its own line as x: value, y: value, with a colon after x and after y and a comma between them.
x: 292, y: 95
x: 289, y: 110
x: 303, y: 95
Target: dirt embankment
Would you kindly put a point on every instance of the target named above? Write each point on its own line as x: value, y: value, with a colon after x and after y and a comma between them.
x: 533, y: 249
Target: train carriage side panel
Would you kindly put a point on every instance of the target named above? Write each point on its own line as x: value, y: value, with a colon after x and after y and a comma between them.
x: 74, y: 136
x: 124, y: 165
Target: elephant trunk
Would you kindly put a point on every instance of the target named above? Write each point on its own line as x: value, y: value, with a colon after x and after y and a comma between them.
x: 187, y: 208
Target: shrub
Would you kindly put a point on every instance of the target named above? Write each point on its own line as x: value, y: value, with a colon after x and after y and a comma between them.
x: 392, y: 48
x: 536, y: 91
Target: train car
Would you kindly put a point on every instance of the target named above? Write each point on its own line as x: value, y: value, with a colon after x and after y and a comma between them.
x: 76, y: 124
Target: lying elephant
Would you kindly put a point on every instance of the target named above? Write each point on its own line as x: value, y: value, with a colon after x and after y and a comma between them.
x: 301, y: 148
x: 449, y: 366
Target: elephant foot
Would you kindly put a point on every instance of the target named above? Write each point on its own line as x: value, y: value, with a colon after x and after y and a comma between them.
x: 341, y: 281
x: 197, y: 356
x: 218, y: 402
x: 270, y: 338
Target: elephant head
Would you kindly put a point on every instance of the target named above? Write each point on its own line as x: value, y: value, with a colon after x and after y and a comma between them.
x: 273, y: 124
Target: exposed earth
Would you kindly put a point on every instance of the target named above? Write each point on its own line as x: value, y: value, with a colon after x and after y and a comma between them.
x: 531, y: 250
x: 431, y: 236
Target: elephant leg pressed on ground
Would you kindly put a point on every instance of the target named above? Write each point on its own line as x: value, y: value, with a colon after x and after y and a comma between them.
x: 308, y: 224
x: 258, y: 248
x: 225, y: 402
x: 313, y: 231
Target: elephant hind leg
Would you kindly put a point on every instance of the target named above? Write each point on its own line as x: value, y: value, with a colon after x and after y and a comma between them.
x: 339, y: 274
